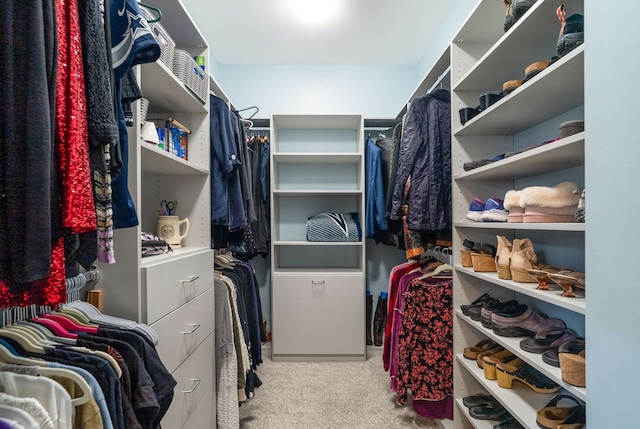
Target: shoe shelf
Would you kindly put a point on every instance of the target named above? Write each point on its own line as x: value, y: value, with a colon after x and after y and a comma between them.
x: 295, y: 193
x: 559, y: 88
x: 551, y: 296
x: 535, y: 360
x: 477, y: 423
x: 559, y: 155
x: 521, y: 402
x: 303, y: 158
x: 569, y: 227
x: 541, y: 24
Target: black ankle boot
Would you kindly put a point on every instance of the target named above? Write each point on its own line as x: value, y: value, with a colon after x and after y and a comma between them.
x: 368, y: 320
x: 380, y: 319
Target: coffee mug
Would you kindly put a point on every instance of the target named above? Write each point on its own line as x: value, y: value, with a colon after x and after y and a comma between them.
x: 169, y: 229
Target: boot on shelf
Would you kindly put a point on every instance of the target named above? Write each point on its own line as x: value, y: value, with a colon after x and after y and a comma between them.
x: 380, y: 319
x: 369, y: 315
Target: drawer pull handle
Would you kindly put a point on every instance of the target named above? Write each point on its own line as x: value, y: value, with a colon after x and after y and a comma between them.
x: 191, y: 280
x: 196, y: 382
x: 317, y: 282
x: 195, y: 328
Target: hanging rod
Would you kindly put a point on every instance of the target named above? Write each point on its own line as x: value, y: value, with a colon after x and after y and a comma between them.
x: 440, y: 79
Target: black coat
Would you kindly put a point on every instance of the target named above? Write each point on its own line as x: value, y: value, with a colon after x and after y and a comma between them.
x: 425, y: 156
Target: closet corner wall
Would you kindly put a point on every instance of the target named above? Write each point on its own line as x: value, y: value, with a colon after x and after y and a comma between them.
x: 172, y: 292
x: 483, y: 57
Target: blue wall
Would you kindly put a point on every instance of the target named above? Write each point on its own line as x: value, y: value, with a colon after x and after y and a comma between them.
x: 612, y: 71
x: 374, y: 91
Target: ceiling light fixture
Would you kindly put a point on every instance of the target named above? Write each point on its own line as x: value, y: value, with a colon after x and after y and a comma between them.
x: 315, y: 11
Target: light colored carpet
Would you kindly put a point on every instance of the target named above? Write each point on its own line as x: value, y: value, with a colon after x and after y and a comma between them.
x: 328, y: 395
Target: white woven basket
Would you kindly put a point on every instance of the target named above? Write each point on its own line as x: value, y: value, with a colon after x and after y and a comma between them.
x: 167, y: 45
x: 144, y: 108
x: 189, y: 72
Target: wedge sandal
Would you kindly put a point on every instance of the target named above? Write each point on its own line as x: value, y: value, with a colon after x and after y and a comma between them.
x: 553, y: 417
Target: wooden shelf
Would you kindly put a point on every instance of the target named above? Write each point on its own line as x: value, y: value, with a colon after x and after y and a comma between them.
x: 551, y: 296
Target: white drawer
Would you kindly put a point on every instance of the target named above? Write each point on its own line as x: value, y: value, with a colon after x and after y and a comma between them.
x: 318, y: 314
x: 170, y: 284
x: 194, y: 377
x: 204, y: 417
x: 182, y: 331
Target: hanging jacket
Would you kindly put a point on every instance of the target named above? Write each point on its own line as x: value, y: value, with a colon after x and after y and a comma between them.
x: 425, y: 156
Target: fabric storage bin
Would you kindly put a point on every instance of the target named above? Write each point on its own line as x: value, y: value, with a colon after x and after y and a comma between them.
x: 167, y: 45
x: 189, y: 72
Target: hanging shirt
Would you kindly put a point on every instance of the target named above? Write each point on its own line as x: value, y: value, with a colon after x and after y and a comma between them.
x: 374, y: 193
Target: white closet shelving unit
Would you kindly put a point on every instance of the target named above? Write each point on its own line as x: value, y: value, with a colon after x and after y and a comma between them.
x: 171, y: 292
x: 483, y: 57
x: 318, y: 289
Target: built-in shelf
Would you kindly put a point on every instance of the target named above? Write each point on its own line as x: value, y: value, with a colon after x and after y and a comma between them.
x: 558, y: 155
x: 520, y: 401
x: 317, y: 158
x: 535, y: 360
x: 317, y: 243
x: 338, y: 271
x: 569, y: 227
x: 317, y: 192
x: 552, y: 296
x: 156, y: 160
x: 176, y: 253
x: 559, y: 88
x: 166, y: 93
x: 477, y: 423
x: 506, y: 60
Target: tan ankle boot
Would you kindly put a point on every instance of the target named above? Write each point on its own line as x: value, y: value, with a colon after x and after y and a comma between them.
x: 522, y: 258
x: 503, y: 255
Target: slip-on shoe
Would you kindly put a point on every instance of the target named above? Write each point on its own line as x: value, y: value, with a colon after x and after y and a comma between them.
x: 510, y: 423
x: 527, y: 324
x: 478, y: 399
x: 490, y: 411
x: 487, y: 310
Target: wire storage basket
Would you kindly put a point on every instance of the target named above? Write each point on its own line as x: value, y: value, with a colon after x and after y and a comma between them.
x: 167, y: 45
x: 189, y: 72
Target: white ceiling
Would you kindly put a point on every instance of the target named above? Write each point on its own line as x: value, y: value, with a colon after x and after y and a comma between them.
x: 362, y: 32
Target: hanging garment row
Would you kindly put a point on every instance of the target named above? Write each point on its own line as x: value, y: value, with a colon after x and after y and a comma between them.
x: 239, y: 185
x: 63, y: 181
x: 418, y: 343
x: 408, y: 178
x: 239, y: 336
x: 85, y: 369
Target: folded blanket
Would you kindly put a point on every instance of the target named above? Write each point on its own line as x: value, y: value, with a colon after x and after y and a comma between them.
x: 334, y: 227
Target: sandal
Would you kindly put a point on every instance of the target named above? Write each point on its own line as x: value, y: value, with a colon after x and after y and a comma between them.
x: 526, y: 374
x: 553, y: 417
x: 478, y: 399
x: 489, y: 363
x: 482, y: 346
x: 497, y: 349
x: 573, y: 363
x: 489, y: 411
x: 543, y: 275
x: 477, y: 303
x: 567, y: 281
x: 550, y: 339
x: 550, y: 357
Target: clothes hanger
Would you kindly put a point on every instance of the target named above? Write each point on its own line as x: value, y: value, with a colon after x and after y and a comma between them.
x: 55, y: 327
x: 67, y: 373
x: 438, y: 270
x: 46, y: 332
x: 23, y: 340
x: 7, y: 356
x: 249, y: 108
x: 69, y: 325
x: 74, y: 316
x: 153, y: 8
